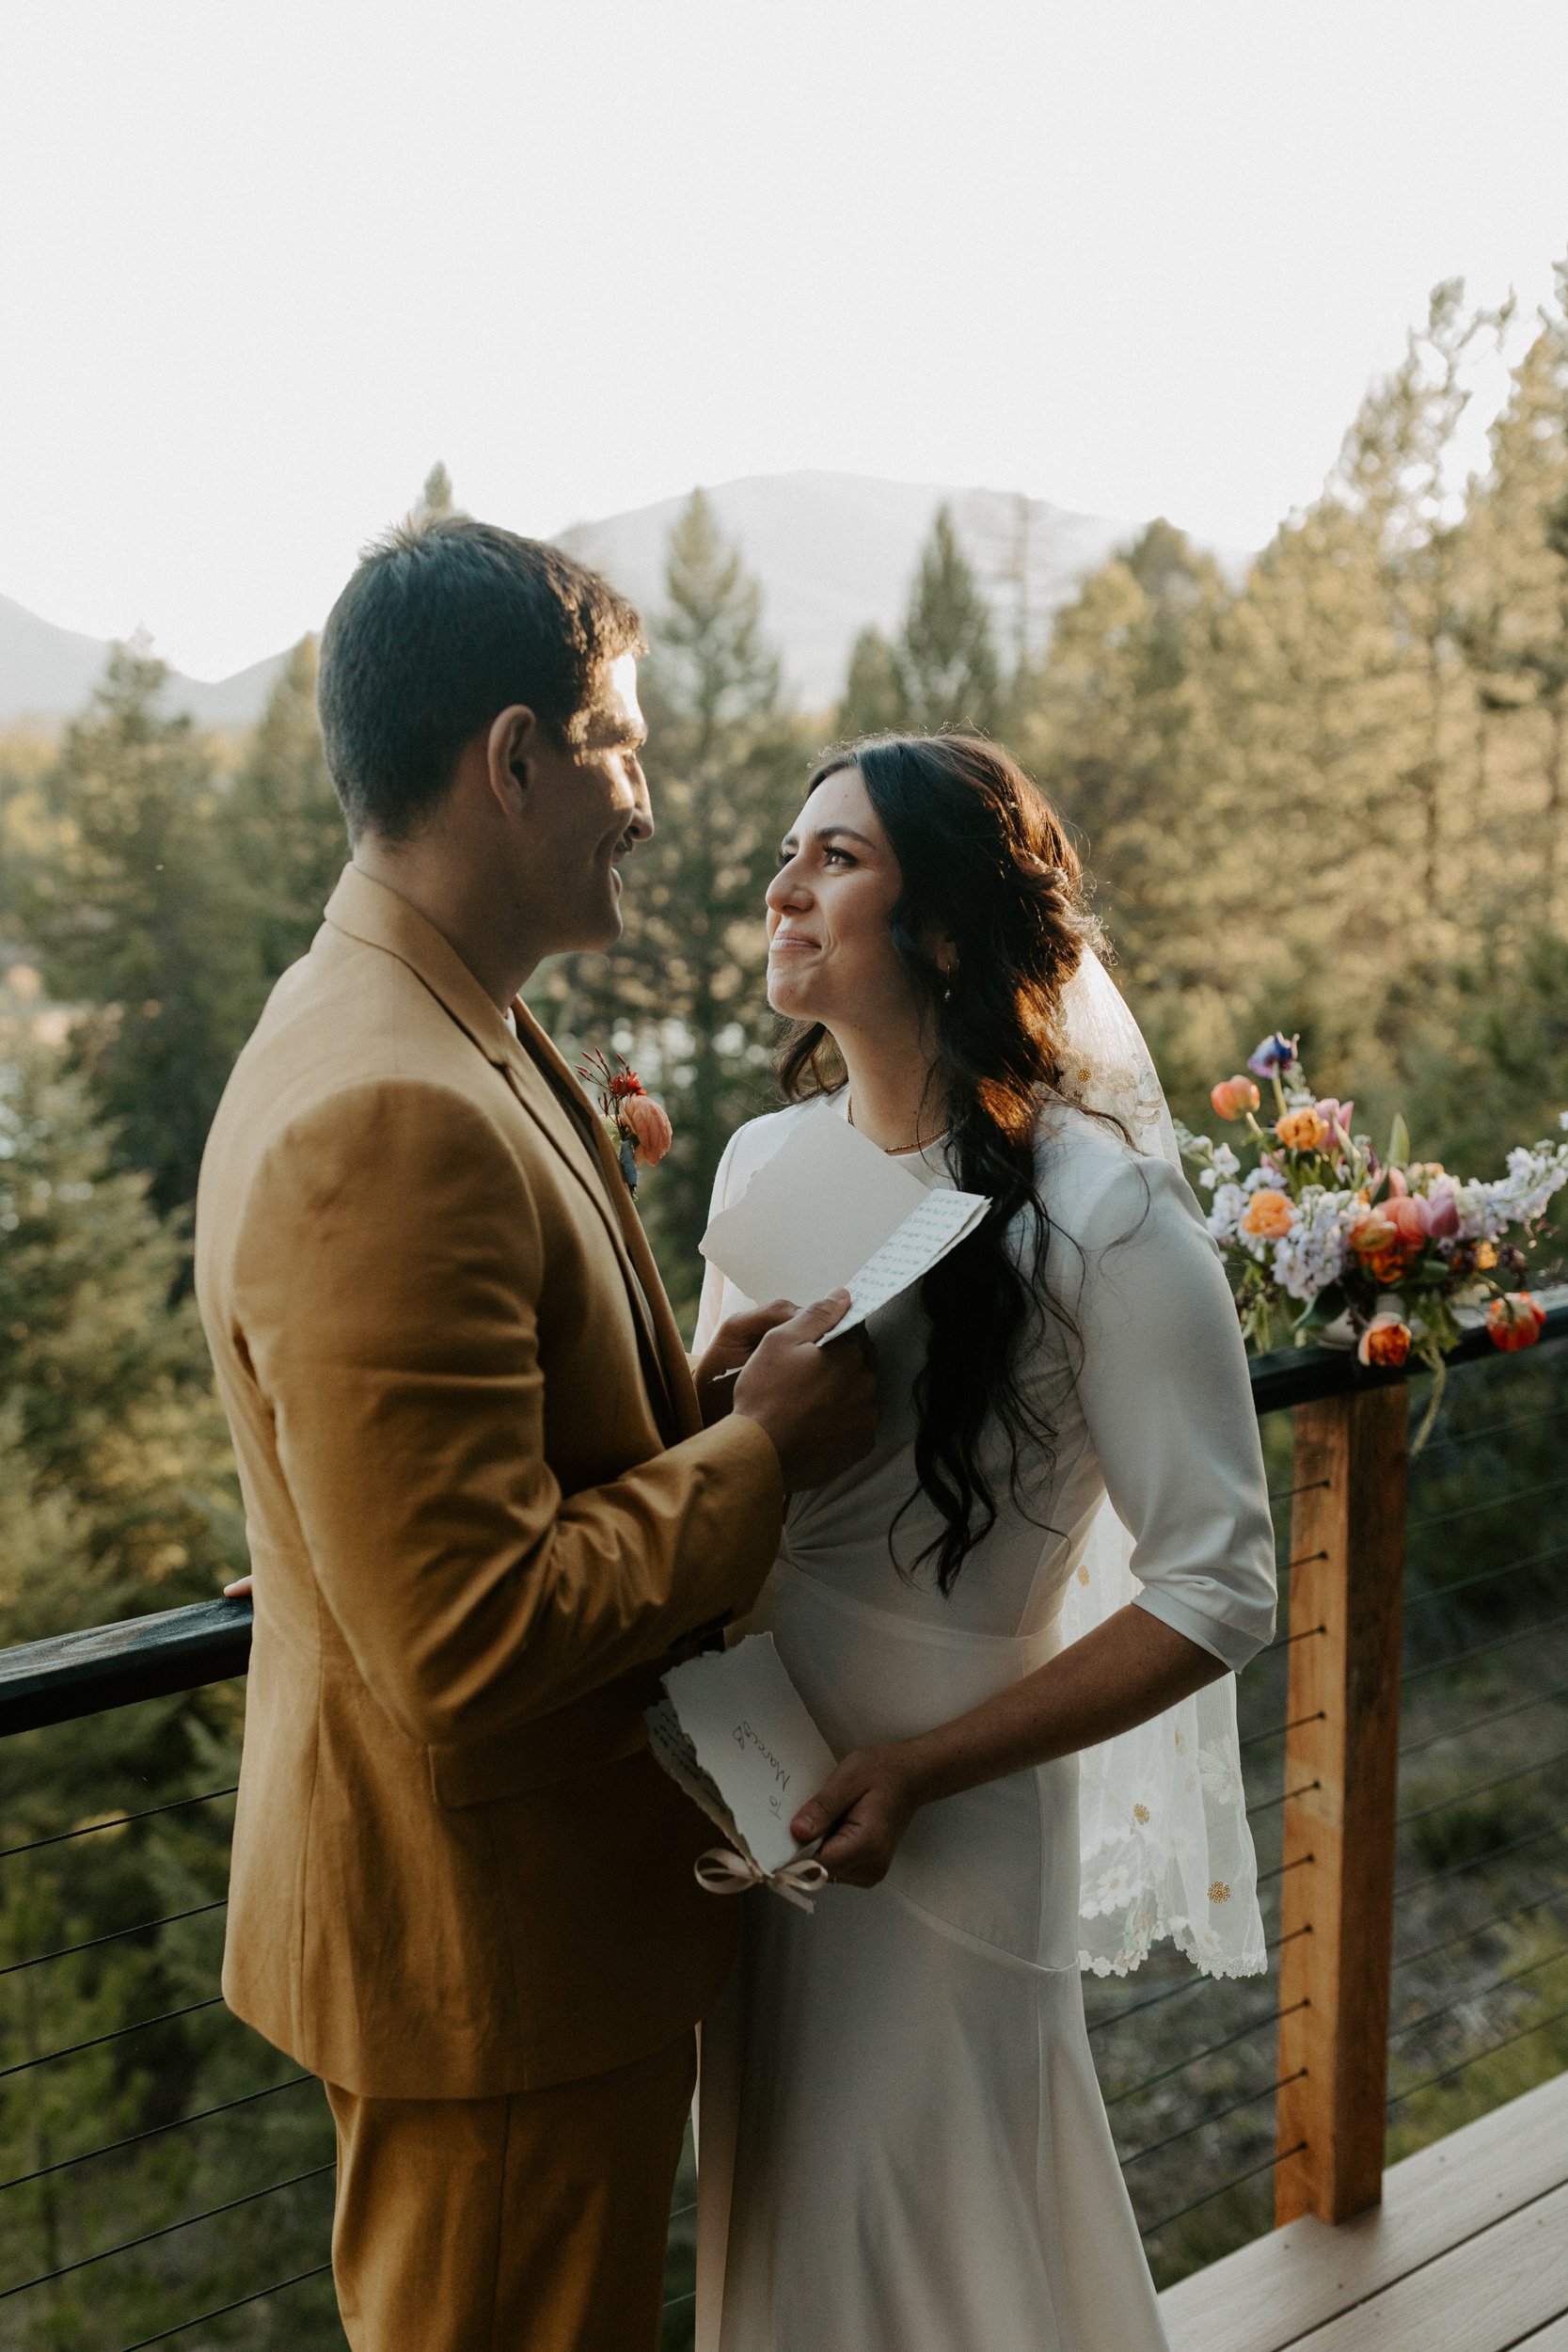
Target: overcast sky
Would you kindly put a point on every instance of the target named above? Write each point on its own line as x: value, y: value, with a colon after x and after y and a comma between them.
x: 263, y: 261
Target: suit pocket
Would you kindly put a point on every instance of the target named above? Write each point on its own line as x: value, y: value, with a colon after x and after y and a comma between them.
x: 602, y: 1728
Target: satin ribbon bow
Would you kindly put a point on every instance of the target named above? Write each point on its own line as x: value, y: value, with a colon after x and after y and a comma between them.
x: 722, y: 1871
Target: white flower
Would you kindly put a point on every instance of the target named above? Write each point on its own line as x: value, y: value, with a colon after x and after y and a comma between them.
x: 1115, y: 1889
x: 1224, y: 1216
x: 1221, y: 1778
x: 1315, y: 1251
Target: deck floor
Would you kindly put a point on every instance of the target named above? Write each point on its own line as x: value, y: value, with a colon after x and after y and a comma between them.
x: 1468, y: 2252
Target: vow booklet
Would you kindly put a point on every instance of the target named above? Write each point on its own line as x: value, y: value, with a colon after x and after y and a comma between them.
x: 732, y: 1730
x: 831, y: 1211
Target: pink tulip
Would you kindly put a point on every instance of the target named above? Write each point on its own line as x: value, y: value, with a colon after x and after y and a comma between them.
x: 648, y: 1123
x: 1410, y: 1217
x: 1442, y: 1214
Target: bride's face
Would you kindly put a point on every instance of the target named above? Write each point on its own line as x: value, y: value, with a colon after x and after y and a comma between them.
x: 831, y: 957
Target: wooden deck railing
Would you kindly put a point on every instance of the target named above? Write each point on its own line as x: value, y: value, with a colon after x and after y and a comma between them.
x: 1346, y: 1555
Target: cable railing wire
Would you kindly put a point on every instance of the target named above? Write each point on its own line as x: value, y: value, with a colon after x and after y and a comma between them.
x: 1495, y: 1428
x: 1484, y: 1576
x: 115, y: 1820
x: 1270, y: 2164
x: 1474, y: 1861
x: 1488, y: 1503
x: 73, y: 2049
x: 143, y: 1926
x: 1479, y: 1993
x: 1482, y: 1788
x: 1478, y: 1723
x: 129, y: 2246
x: 156, y: 2130
x: 1468, y: 1935
x: 1254, y: 2025
x: 1484, y: 1649
x: 1475, y: 2058
x: 1217, y: 2116
x: 259, y: 2295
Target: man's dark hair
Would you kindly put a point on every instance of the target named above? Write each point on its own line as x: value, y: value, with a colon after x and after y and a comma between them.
x: 444, y: 623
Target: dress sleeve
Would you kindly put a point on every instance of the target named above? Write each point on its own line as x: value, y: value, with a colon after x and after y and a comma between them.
x: 1165, y: 1394
x: 710, y: 1306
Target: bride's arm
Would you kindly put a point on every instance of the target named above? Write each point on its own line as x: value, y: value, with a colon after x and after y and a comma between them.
x: 1165, y: 1394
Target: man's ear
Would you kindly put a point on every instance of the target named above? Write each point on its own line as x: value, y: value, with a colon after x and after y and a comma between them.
x: 510, y: 749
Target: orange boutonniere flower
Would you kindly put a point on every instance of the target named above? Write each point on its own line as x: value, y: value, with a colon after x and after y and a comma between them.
x: 639, y: 1127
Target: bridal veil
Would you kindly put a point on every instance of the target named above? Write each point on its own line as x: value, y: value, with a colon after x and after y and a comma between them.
x: 1163, y: 1814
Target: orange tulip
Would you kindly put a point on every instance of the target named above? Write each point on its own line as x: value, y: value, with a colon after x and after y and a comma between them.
x: 1303, y: 1130
x: 1233, y: 1097
x: 1515, y: 1321
x: 1384, y: 1341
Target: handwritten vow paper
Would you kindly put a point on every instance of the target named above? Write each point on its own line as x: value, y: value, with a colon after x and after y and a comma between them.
x: 829, y: 1211
x: 732, y: 1730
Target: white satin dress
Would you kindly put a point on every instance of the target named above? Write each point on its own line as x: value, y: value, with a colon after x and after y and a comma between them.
x: 902, y: 2145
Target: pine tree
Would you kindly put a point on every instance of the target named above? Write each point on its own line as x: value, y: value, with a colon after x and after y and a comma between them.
x: 140, y: 916
x: 945, y: 661
x: 873, y: 700
x: 281, y: 822
x: 683, y: 995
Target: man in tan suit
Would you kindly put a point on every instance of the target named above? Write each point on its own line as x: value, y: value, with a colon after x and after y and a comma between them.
x: 481, y: 1499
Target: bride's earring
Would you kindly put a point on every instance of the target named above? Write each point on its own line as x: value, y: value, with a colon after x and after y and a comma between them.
x: 947, y: 971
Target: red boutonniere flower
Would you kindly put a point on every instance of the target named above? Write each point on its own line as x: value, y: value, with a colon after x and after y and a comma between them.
x: 639, y: 1127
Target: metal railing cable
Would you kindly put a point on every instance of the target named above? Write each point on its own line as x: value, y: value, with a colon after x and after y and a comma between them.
x: 1515, y: 1495
x: 1462, y: 2065
x: 1468, y: 1935
x: 1482, y: 1788
x: 97, y: 2040
x: 129, y: 2246
x: 1495, y: 1428
x: 1479, y: 1993
x: 1484, y: 1649
x: 1254, y: 2025
x: 1148, y: 2229
x: 1475, y: 1861
x: 1277, y: 1731
x: 115, y: 1821
x: 1478, y: 1723
x: 1484, y: 1576
x: 259, y: 2295
x: 1218, y: 2116
x: 1193, y: 1983
x: 154, y: 2131
x: 115, y: 1935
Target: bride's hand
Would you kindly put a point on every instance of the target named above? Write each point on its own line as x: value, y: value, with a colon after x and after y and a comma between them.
x: 862, y: 1812
x: 729, y: 1351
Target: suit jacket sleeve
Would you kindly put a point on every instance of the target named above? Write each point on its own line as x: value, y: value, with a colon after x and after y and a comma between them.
x: 387, y: 1281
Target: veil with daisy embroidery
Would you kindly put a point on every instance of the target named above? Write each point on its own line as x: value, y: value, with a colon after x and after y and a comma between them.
x: 1165, y: 1848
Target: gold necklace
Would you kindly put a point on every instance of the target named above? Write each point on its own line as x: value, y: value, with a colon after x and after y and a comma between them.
x: 893, y: 1150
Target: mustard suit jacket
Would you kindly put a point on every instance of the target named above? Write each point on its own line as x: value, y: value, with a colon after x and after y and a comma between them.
x: 481, y: 1507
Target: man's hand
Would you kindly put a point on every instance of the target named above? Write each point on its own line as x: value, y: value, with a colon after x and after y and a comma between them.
x: 238, y: 1590
x: 862, y: 1812
x: 731, y: 1346
x: 818, y: 1405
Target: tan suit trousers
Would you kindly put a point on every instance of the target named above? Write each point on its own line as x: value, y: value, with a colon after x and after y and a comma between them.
x: 534, y: 2223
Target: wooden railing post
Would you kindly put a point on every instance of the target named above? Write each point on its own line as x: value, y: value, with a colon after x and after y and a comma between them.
x: 1341, y: 1768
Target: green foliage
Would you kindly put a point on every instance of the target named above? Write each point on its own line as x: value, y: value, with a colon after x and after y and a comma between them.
x: 683, y: 995
x: 944, y: 671
x: 139, y: 914
x: 281, y: 825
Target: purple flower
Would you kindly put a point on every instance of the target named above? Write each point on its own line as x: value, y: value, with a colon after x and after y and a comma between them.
x: 1275, y: 1055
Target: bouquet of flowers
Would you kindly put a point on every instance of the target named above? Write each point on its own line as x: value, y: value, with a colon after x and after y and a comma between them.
x: 1324, y: 1239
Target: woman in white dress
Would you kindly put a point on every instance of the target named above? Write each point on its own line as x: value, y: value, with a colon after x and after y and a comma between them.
x: 902, y: 2145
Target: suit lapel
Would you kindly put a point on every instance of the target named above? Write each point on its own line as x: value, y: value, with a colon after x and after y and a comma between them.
x: 648, y: 1290
x: 543, y: 1084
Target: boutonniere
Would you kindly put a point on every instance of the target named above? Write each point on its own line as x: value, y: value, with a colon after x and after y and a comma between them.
x: 639, y: 1127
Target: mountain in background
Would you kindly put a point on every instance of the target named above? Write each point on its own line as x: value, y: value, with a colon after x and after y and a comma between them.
x: 833, y: 552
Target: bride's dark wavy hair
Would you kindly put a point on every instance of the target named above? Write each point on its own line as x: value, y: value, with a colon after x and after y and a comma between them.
x: 984, y: 860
